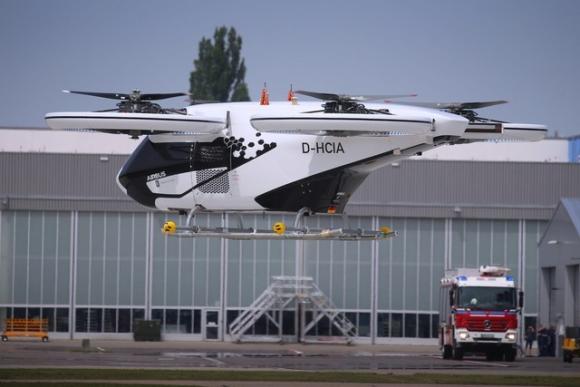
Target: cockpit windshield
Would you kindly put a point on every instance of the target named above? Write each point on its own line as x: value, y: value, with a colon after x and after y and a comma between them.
x: 488, y: 298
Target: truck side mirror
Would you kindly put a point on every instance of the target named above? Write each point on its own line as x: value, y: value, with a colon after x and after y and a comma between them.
x: 451, y: 298
x: 520, y: 299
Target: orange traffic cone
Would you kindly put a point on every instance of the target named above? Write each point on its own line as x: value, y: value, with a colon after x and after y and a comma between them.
x: 264, y: 96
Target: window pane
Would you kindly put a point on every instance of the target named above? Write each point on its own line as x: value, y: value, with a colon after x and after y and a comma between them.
x: 35, y: 259
x: 63, y: 258
x: 383, y: 325
x: 62, y: 320
x: 97, y: 262
x: 48, y: 314
x: 111, y: 259
x: 364, y: 324
x: 6, y: 256
x: 288, y: 322
x: 197, y: 321
x: 157, y: 314
x: 81, y: 319
x: 124, y: 321
x: 396, y: 325
x: 260, y: 326
x: 411, y: 264
x: 185, y: 321
x: 3, y: 317
x: 110, y: 320
x: 435, y: 325
x: 171, y: 321
x: 424, y: 284
x: 21, y: 258
x: 139, y: 258
x: 138, y: 314
x: 33, y: 313
x: 424, y: 325
x: 397, y: 268
x: 95, y: 320
x: 353, y: 318
x: 410, y: 325
x: 272, y: 330
x: 231, y: 316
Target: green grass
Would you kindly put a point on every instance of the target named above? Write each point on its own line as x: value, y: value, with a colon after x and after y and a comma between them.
x: 71, y: 384
x: 277, y: 376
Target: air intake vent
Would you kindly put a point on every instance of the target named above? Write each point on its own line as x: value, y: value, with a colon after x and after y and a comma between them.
x: 212, y: 184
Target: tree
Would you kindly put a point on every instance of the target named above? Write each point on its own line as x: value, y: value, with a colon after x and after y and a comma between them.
x: 219, y: 69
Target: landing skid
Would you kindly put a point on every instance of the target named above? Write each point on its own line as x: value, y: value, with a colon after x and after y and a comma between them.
x: 279, y: 231
x: 290, y: 234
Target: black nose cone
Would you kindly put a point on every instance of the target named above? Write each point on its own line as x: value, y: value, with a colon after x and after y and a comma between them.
x: 132, y: 178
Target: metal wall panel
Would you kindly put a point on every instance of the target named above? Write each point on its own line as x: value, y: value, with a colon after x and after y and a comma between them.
x: 469, y: 189
x: 44, y: 181
x: 413, y: 188
x: 60, y: 175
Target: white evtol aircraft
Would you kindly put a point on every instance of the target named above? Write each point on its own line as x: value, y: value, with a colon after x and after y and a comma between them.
x: 283, y: 156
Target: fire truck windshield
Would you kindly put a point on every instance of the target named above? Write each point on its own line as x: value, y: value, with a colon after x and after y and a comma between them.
x: 486, y: 298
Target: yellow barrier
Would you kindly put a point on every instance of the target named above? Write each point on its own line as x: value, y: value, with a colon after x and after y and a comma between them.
x: 26, y: 327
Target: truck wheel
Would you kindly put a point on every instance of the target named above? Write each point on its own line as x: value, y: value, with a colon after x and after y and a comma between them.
x: 458, y: 353
x: 4, y: 338
x: 447, y: 352
x: 493, y: 355
x: 510, y: 354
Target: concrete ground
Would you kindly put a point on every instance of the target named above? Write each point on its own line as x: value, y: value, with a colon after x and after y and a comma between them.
x: 262, y: 356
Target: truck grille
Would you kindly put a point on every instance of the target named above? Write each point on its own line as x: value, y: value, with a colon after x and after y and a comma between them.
x: 487, y: 325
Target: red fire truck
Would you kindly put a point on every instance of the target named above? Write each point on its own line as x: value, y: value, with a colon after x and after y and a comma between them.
x: 478, y: 311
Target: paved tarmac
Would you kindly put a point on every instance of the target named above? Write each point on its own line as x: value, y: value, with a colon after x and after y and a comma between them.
x: 226, y: 355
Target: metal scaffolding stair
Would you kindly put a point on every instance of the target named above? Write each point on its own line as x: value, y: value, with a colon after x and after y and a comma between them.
x: 287, y: 293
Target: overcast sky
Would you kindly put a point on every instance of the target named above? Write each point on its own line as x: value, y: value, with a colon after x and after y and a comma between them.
x: 527, y: 52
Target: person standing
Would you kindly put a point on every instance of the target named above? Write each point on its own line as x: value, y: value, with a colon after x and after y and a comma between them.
x: 551, y: 341
x: 560, y: 332
x: 542, y: 341
x: 530, y: 338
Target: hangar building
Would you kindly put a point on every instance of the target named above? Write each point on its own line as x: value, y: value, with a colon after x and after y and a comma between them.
x: 75, y: 250
x: 559, y: 264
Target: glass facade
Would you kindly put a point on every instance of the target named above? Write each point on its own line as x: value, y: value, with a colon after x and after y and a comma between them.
x: 98, y: 272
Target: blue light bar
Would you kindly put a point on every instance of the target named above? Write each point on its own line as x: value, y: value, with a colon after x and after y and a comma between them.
x: 461, y: 278
x: 509, y: 277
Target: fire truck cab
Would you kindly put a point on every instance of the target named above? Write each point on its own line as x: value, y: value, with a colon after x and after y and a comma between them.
x: 478, y: 311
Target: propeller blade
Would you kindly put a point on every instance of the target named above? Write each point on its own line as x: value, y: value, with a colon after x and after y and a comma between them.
x: 454, y: 105
x: 100, y: 95
x: 372, y: 97
x: 158, y: 96
x: 346, y: 97
x: 123, y: 96
x: 322, y: 96
x: 479, y: 105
